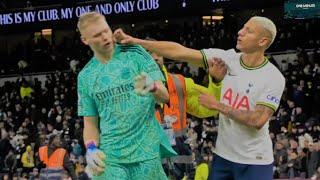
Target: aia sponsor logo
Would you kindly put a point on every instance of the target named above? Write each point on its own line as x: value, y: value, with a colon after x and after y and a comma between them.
x: 238, y: 102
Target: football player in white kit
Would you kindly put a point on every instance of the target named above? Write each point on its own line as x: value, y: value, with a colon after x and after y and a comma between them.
x: 251, y: 93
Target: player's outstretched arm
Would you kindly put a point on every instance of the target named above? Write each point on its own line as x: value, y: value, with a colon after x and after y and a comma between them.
x: 167, y: 49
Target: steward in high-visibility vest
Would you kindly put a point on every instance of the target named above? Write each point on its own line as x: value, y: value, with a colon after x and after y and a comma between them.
x: 55, y: 159
x: 175, y: 111
x: 183, y: 100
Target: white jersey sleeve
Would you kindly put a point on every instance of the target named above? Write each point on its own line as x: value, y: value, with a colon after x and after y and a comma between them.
x: 226, y: 55
x: 272, y: 93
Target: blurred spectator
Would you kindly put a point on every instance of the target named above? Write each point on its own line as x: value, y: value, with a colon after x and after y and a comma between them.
x: 27, y: 160
x: 34, y: 175
x: 6, y: 177
x: 202, y: 169
x: 316, y: 176
x: 11, y: 162
x: 293, y: 165
x: 303, y: 162
x: 25, y: 90
x: 81, y: 172
x: 55, y: 158
x: 74, y: 65
x: 76, y: 148
x: 4, y: 146
x: 22, y: 65
x: 313, y: 162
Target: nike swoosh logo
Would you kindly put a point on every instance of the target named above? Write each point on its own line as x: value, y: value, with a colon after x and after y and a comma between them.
x: 231, y: 74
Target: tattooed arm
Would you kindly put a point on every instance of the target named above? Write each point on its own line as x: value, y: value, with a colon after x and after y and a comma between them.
x: 256, y: 118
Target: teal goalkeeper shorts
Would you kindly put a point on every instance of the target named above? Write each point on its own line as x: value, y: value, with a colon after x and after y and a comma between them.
x: 146, y: 170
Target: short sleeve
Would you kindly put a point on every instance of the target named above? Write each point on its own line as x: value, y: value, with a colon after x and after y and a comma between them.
x: 271, y: 96
x: 86, y: 104
x: 225, y: 55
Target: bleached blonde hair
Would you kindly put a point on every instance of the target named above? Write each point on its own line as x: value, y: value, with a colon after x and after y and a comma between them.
x: 87, y: 18
x: 267, y: 25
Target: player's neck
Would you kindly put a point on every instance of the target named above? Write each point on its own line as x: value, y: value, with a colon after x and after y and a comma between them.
x: 253, y: 59
x: 104, y: 57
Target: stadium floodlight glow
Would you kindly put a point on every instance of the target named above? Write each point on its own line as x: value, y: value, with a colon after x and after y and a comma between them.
x: 217, y: 17
x: 184, y: 4
x: 206, y: 17
x: 37, y: 34
x: 46, y: 31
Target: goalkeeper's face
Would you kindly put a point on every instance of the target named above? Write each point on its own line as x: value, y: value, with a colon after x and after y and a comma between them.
x: 98, y: 35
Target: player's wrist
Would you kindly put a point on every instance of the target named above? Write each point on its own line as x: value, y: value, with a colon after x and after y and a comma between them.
x: 91, y: 145
x: 138, y: 41
x: 154, y: 87
x: 220, y: 107
x: 215, y: 80
x: 226, y: 110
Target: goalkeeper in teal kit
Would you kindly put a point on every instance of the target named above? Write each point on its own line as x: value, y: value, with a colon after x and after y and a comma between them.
x: 117, y: 92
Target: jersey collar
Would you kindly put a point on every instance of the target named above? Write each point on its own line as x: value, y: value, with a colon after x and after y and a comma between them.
x: 254, y: 68
x: 115, y: 52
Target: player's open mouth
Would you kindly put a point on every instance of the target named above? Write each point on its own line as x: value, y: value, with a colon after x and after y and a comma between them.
x: 107, y: 44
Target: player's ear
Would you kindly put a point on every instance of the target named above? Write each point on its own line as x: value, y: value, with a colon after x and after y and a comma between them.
x: 264, y: 42
x: 84, y: 40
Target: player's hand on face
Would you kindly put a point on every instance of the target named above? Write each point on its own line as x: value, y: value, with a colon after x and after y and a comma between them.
x: 122, y: 37
x: 207, y: 100
x: 217, y: 69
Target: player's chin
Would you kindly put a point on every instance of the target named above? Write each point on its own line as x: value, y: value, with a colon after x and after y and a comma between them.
x: 109, y: 47
x: 238, y: 46
x: 242, y: 47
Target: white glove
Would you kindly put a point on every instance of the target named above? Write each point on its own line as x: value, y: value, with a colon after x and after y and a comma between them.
x: 170, y: 119
x: 95, y: 158
x: 144, y: 84
x: 171, y: 137
x: 90, y: 172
